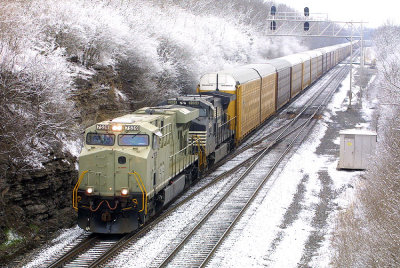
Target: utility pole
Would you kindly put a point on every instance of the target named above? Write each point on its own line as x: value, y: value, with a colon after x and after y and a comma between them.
x: 362, y: 65
x: 351, y: 68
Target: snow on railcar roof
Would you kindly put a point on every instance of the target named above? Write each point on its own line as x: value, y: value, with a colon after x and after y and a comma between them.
x: 356, y: 131
x: 279, y: 63
x: 312, y: 53
x: 263, y: 69
x: 302, y: 56
x: 241, y: 74
x: 325, y: 49
x: 293, y: 59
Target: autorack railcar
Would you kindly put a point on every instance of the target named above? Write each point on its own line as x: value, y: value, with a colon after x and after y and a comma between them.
x: 296, y: 74
x: 268, y: 78
x: 306, y: 78
x: 282, y: 82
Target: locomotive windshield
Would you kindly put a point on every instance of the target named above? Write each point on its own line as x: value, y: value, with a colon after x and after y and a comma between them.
x: 133, y: 140
x: 100, y: 139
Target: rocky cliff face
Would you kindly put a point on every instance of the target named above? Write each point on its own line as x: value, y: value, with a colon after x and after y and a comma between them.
x: 36, y: 203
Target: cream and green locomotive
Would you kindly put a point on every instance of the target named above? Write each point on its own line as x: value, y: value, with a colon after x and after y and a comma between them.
x: 132, y: 166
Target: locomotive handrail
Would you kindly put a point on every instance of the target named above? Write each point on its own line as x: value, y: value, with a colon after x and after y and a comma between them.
x: 166, y: 127
x: 75, y: 191
x: 143, y: 189
x: 162, y: 129
x: 220, y: 129
x: 190, y: 144
x: 185, y: 157
x: 201, y: 156
x: 233, y: 118
x: 228, y: 122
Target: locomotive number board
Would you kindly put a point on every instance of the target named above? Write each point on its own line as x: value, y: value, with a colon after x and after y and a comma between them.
x: 132, y: 128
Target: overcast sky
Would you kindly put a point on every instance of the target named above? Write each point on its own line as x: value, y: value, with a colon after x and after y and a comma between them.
x: 375, y: 13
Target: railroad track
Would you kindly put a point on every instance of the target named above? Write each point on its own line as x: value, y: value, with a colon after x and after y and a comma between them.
x: 95, y: 252
x: 87, y: 249
x: 71, y: 251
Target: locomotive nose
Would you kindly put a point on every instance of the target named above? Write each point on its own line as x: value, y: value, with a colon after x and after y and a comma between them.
x: 108, y: 171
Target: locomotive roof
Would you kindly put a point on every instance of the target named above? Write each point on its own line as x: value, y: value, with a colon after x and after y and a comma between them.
x: 191, y: 101
x: 201, y: 98
x: 132, y: 118
x: 148, y: 114
x: 184, y: 114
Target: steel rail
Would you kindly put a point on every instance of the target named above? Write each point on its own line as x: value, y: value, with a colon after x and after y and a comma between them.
x: 75, y: 251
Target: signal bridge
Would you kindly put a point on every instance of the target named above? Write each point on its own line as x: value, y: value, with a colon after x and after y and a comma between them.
x: 316, y: 25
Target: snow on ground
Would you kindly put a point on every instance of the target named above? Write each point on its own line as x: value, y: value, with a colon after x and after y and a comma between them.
x: 369, y: 107
x: 339, y: 101
x: 58, y: 244
x: 259, y: 232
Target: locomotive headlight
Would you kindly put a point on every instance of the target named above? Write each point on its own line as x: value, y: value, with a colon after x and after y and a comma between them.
x: 89, y: 190
x: 116, y: 128
x: 124, y: 191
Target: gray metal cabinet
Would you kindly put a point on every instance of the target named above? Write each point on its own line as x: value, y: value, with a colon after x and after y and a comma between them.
x: 356, y: 147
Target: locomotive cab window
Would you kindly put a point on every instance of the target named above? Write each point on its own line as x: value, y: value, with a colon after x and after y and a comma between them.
x: 156, y: 142
x: 133, y: 140
x: 100, y: 139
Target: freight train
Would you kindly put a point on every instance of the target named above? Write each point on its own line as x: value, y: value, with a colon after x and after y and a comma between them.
x: 132, y: 166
